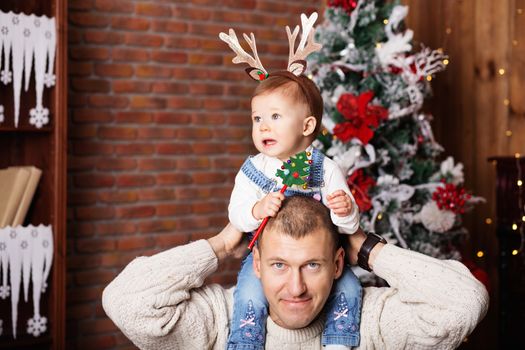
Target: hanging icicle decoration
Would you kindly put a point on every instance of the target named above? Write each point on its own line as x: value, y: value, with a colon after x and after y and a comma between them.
x: 28, y: 254
x: 25, y: 39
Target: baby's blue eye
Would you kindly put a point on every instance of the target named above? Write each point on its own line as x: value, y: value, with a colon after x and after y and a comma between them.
x: 276, y: 116
x: 256, y: 119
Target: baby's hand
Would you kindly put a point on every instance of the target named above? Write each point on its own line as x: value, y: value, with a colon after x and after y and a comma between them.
x: 340, y: 203
x: 268, y: 206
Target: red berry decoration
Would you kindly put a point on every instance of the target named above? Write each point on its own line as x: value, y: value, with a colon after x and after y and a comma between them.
x: 451, y: 198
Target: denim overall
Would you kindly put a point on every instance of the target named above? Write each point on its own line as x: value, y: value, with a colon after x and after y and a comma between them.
x: 250, y: 307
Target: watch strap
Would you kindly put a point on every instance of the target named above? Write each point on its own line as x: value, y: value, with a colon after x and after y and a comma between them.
x: 370, y: 242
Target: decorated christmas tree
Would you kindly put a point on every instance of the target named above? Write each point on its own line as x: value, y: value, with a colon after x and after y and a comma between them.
x: 373, y: 83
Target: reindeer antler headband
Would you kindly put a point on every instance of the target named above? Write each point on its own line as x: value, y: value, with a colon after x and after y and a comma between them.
x: 296, y: 58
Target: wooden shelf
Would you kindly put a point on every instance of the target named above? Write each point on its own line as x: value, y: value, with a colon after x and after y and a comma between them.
x: 44, y: 148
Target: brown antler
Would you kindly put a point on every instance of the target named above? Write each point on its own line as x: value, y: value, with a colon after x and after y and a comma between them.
x: 256, y: 69
x: 297, y: 59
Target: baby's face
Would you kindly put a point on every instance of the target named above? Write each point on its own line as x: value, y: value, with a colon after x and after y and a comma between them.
x: 278, y: 125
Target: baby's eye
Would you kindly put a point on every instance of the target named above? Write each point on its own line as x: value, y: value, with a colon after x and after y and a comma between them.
x: 276, y: 116
x: 256, y: 119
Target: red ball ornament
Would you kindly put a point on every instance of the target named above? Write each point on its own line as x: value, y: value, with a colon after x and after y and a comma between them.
x: 295, y: 174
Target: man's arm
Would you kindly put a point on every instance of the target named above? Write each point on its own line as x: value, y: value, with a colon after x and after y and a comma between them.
x: 430, y: 304
x: 159, y: 302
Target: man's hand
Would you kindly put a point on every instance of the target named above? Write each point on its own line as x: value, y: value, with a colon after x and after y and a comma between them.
x: 268, y: 206
x: 228, y: 243
x: 340, y: 203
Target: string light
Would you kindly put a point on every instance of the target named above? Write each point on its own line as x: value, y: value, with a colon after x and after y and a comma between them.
x: 506, y: 102
x: 515, y: 42
x: 519, y: 182
x: 379, y: 216
x: 385, y: 21
x: 488, y: 221
x: 508, y: 133
x: 378, y: 45
x: 446, y: 62
x: 448, y: 30
x: 514, y: 227
x: 519, y: 11
x: 480, y: 253
x: 515, y: 252
x: 429, y: 77
x: 501, y: 71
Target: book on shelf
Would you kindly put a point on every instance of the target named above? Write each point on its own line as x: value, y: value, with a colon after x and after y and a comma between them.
x: 17, y: 188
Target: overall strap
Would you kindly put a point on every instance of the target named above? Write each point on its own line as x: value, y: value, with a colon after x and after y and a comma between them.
x: 257, y: 177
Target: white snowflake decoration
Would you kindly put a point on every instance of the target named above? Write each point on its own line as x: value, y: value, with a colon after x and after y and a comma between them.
x: 39, y: 116
x: 49, y: 80
x: 5, y: 291
x: 6, y: 76
x: 36, y: 325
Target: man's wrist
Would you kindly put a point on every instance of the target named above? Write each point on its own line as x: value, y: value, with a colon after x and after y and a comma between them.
x: 218, y: 246
x: 369, y: 250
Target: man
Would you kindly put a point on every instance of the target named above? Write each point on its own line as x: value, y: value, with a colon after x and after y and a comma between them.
x: 159, y: 302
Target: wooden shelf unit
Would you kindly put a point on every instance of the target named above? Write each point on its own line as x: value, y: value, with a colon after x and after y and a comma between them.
x: 46, y: 149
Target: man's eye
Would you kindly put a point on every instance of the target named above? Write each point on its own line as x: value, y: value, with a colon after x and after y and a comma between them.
x: 278, y: 266
x: 313, y: 266
x: 276, y: 116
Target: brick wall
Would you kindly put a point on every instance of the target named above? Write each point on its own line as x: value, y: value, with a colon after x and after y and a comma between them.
x: 158, y: 126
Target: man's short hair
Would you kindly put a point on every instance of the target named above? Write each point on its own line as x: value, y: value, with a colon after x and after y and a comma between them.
x: 300, y: 216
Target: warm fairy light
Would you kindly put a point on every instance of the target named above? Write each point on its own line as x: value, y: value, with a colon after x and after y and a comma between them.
x: 310, y: 76
x: 385, y: 21
x: 515, y: 252
x: 378, y: 45
x: 439, y: 49
x: 501, y: 71
x: 519, y: 182
x: 448, y: 30
x: 519, y: 11
x: 480, y: 254
x: 523, y: 218
x: 517, y: 155
x: 514, y: 227
x: 429, y: 77
x: 508, y: 133
x: 488, y: 221
x: 379, y: 216
x: 446, y: 62
x: 515, y: 42
x: 506, y: 102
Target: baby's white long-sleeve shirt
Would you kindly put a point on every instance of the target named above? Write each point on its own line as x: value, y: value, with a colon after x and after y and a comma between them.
x: 246, y: 194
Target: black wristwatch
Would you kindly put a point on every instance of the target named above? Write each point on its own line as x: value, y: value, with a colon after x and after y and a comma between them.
x: 364, y: 253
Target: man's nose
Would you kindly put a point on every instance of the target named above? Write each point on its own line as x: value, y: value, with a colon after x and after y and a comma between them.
x: 296, y: 284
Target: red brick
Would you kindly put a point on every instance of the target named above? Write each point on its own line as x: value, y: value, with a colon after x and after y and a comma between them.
x: 89, y: 85
x: 239, y: 119
x: 208, y: 148
x: 210, y: 28
x: 150, y: 9
x: 208, y: 177
x: 91, y: 148
x: 132, y: 180
x: 80, y: 69
x: 99, y: 342
x: 103, y: 37
x: 171, y: 240
x: 219, y: 103
x: 230, y: 162
x: 93, y: 180
x: 81, y: 198
x: 131, y: 86
x: 205, y: 59
x: 156, y: 164
x: 117, y: 133
x: 80, y: 4
x: 173, y: 148
x: 157, y: 226
x: 89, y: 115
x: 173, y: 42
x: 240, y: 148
x: 170, y: 87
x: 239, y: 90
x: 192, y: 223
x: 193, y: 13
x: 134, y: 117
x: 173, y: 179
x: 208, y: 118
x: 147, y: 102
x: 101, y: 325
x: 169, y: 26
x: 184, y: 102
x: 114, y: 70
x: 156, y: 194
x: 206, y: 89
x: 194, y: 133
x: 137, y: 242
x: 85, y: 294
x: 157, y: 133
x: 85, y: 19
x: 89, y: 53
x: 172, y: 118
x: 90, y: 245
x: 232, y: 133
x: 207, y: 207
x: 113, y: 163
x: 93, y: 277
x: 121, y: 6
x: 116, y: 228
x: 135, y: 212
x: 154, y: 71
x: 82, y: 132
x: 80, y: 311
x: 193, y: 163
x: 173, y: 209
x: 118, y: 197
x: 130, y: 23
x: 108, y: 101
x: 129, y: 55
x: 80, y: 163
x: 144, y: 40
x: 82, y: 229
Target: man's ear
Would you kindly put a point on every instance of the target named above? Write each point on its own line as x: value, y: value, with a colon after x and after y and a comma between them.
x: 339, y: 262
x: 256, y: 262
x: 309, y: 125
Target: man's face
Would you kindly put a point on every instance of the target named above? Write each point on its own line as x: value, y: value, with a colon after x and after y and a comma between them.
x: 297, y: 275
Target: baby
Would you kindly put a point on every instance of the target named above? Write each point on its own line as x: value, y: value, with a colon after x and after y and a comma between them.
x: 287, y: 109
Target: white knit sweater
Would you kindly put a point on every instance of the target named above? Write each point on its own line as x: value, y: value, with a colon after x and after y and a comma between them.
x: 159, y: 302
